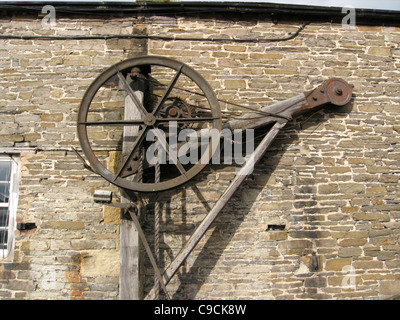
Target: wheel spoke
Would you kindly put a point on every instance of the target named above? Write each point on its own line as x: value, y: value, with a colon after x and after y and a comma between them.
x: 151, y: 109
x: 181, y: 168
x: 172, y: 155
x: 168, y: 91
x: 138, y: 142
x: 132, y: 94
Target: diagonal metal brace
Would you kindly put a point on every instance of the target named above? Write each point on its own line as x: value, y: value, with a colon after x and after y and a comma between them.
x: 218, y: 207
x: 129, y: 208
x: 148, y: 250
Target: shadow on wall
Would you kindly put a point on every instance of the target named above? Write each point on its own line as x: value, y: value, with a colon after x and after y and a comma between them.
x: 192, y: 277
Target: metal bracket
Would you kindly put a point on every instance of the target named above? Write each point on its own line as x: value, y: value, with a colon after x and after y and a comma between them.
x: 334, y: 90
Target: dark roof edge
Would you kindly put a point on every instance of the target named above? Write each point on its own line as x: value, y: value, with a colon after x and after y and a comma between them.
x: 277, y: 12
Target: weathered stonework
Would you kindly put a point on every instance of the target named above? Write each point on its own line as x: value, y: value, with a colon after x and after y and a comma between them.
x: 319, y: 218
x: 42, y: 85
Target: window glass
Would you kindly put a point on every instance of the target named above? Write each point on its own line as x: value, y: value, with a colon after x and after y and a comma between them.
x: 3, y: 217
x: 5, y: 167
x: 3, y: 238
x: 4, y: 192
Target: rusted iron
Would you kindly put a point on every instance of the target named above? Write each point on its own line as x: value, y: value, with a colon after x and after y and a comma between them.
x: 150, y: 119
x: 334, y: 91
x: 219, y: 206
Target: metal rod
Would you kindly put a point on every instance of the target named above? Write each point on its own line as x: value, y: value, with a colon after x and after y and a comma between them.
x: 284, y: 108
x: 139, y: 140
x: 167, y: 91
x: 218, y: 207
x: 131, y: 93
x: 148, y: 250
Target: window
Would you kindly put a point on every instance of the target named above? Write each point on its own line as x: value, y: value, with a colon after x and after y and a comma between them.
x: 8, y: 202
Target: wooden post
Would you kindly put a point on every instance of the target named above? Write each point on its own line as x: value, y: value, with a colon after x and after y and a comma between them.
x: 130, y: 282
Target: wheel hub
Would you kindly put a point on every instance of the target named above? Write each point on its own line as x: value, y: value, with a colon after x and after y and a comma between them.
x: 149, y: 120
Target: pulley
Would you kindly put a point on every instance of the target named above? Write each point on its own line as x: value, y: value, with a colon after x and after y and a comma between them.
x: 175, y: 97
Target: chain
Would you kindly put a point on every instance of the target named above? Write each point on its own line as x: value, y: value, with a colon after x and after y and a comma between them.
x: 157, y: 214
x: 140, y: 167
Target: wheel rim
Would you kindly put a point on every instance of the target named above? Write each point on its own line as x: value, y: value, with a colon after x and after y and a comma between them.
x: 149, y: 121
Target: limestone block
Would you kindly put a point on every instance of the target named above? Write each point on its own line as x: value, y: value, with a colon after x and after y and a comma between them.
x: 100, y: 263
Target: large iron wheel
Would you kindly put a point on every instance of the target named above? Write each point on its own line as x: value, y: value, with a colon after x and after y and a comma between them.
x: 174, y: 93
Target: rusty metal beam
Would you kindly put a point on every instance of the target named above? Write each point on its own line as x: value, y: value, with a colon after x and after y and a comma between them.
x: 334, y: 90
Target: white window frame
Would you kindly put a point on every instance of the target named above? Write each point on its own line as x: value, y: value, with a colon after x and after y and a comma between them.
x: 7, y: 254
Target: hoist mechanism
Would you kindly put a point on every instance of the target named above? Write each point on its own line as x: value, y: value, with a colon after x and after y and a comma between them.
x: 164, y: 120
x: 176, y: 120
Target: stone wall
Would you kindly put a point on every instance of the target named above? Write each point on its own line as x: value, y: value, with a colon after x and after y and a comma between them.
x: 318, y: 218
x: 73, y: 253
